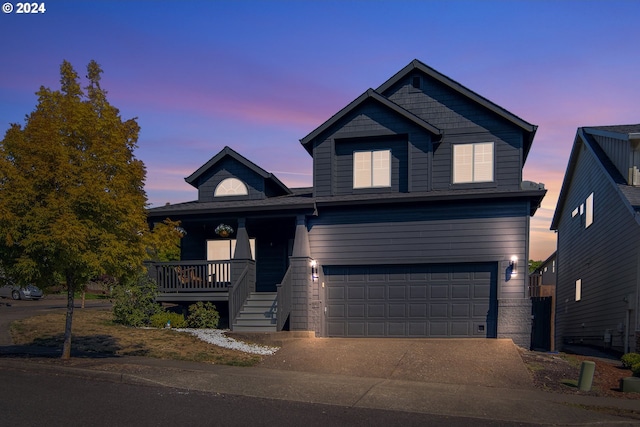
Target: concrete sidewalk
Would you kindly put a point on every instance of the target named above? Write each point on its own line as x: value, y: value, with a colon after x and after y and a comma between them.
x: 495, y: 403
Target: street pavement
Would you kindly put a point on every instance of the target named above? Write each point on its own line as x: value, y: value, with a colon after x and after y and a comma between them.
x: 482, y: 379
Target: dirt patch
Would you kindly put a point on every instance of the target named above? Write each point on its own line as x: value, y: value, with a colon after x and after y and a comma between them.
x: 559, y: 373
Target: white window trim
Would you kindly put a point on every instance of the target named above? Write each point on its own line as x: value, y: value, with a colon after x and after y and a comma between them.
x: 578, y: 289
x: 365, y: 165
x: 471, y: 163
x: 230, y: 187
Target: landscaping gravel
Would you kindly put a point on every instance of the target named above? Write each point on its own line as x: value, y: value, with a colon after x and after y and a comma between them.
x: 218, y: 337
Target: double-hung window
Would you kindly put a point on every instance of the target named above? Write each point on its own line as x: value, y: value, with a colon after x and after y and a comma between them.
x: 372, y: 168
x: 473, y: 163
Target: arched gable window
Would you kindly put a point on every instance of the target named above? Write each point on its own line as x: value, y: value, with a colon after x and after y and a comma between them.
x: 231, y: 187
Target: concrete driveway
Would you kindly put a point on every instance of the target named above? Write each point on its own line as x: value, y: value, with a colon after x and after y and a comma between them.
x: 477, y: 362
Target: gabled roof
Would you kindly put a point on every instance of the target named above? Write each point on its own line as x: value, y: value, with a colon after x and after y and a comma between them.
x: 630, y: 195
x: 370, y: 94
x: 528, y: 128
x: 227, y: 151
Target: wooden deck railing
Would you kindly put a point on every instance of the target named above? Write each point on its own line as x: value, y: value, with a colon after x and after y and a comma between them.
x: 191, y: 276
x: 283, y: 300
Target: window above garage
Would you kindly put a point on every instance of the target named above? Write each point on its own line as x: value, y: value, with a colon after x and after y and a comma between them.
x: 372, y: 169
x: 473, y: 163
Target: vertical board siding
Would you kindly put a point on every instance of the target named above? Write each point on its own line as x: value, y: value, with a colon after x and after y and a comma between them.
x: 604, y: 257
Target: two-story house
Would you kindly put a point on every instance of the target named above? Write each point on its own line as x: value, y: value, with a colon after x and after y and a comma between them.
x: 598, y: 255
x: 417, y: 224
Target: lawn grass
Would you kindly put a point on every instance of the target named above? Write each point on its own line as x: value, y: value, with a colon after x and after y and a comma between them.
x: 94, y: 332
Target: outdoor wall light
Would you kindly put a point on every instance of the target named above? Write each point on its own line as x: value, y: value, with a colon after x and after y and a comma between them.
x: 513, y: 266
x: 314, y: 270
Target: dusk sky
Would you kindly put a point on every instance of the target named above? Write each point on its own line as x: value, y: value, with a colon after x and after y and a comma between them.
x: 260, y: 75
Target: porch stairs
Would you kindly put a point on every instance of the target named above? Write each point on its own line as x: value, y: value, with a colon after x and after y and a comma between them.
x: 258, y: 313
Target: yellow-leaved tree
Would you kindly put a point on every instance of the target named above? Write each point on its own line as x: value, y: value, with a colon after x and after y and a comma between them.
x: 72, y: 202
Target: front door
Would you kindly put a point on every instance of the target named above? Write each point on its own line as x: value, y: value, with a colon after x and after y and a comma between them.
x: 271, y: 264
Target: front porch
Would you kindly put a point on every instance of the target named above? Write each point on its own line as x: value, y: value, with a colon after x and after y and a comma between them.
x: 186, y: 281
x: 231, y: 283
x: 266, y: 294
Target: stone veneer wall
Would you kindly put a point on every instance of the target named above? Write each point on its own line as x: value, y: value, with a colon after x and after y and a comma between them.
x: 514, y: 320
x: 305, y: 304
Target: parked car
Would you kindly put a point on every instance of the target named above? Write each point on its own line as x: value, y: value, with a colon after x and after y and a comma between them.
x: 16, y: 292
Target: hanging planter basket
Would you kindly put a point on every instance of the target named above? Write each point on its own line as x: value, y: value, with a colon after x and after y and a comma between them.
x: 224, y: 230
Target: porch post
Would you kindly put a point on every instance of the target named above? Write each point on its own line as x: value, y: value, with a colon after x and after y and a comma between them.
x: 243, y: 248
x: 305, y: 302
x: 240, y: 289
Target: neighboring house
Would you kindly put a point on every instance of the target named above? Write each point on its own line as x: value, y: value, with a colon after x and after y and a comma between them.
x: 542, y: 280
x: 417, y: 224
x: 598, y: 255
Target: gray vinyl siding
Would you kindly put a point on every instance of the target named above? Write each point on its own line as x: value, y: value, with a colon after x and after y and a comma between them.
x: 229, y: 168
x: 604, y: 257
x: 368, y: 128
x: 445, y: 233
x: 618, y: 151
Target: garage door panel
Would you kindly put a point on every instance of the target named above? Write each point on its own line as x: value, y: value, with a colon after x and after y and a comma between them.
x: 336, y: 293
x: 439, y: 291
x: 356, y: 329
x: 460, y: 292
x: 397, y: 292
x: 397, y: 310
x: 376, y: 311
x: 397, y: 329
x: 336, y: 311
x: 375, y: 329
x: 336, y: 329
x: 460, y: 310
x: 417, y: 310
x: 418, y: 292
x: 460, y: 329
x: 356, y: 311
x: 355, y: 293
x: 376, y: 292
x: 439, y: 329
x: 481, y: 291
x: 417, y: 329
x: 444, y: 300
x: 439, y: 310
x: 480, y: 310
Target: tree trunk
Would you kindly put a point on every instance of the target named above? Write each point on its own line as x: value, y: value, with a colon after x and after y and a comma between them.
x: 66, y: 347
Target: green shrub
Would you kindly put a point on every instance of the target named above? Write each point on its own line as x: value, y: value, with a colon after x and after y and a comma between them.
x: 134, y: 302
x: 203, y: 315
x: 630, y: 359
x: 636, y: 370
x: 159, y: 320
